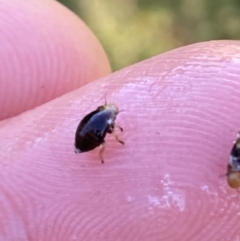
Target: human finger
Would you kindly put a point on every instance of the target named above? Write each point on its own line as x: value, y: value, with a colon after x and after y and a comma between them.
x: 46, y: 51
x: 180, y: 117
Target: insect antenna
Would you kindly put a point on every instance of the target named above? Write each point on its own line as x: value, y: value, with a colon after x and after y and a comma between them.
x: 121, y: 111
x: 223, y: 175
x: 105, y: 98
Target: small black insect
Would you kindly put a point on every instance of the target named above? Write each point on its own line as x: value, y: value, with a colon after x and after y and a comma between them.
x: 233, y: 167
x: 93, y: 128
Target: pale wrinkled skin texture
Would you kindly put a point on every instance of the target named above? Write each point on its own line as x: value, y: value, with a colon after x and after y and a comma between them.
x: 181, y: 114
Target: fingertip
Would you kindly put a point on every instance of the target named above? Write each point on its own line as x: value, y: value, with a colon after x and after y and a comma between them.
x: 182, y: 115
x: 45, y: 53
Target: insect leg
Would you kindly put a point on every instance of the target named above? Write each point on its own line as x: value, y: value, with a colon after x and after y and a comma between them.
x: 101, y: 151
x: 117, y: 138
x: 119, y: 127
x: 111, y: 129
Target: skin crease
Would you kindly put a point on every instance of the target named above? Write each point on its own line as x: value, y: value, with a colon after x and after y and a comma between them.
x: 181, y: 114
x: 46, y: 51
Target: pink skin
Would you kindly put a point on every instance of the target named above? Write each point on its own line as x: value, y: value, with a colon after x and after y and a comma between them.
x: 181, y: 113
x: 46, y: 51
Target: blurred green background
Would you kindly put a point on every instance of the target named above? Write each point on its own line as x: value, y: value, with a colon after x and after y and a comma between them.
x: 133, y: 30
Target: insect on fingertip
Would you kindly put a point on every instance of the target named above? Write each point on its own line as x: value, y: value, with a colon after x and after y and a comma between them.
x: 94, y: 127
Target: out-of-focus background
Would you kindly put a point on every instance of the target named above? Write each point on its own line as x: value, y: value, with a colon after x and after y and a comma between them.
x: 133, y: 30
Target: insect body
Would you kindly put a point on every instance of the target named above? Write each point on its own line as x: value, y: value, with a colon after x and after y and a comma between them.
x: 93, y: 128
x: 233, y: 167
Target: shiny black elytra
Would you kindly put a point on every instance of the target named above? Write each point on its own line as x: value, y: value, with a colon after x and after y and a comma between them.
x: 93, y: 128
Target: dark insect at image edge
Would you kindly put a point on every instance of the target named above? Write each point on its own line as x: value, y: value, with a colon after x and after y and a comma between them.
x: 233, y: 166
